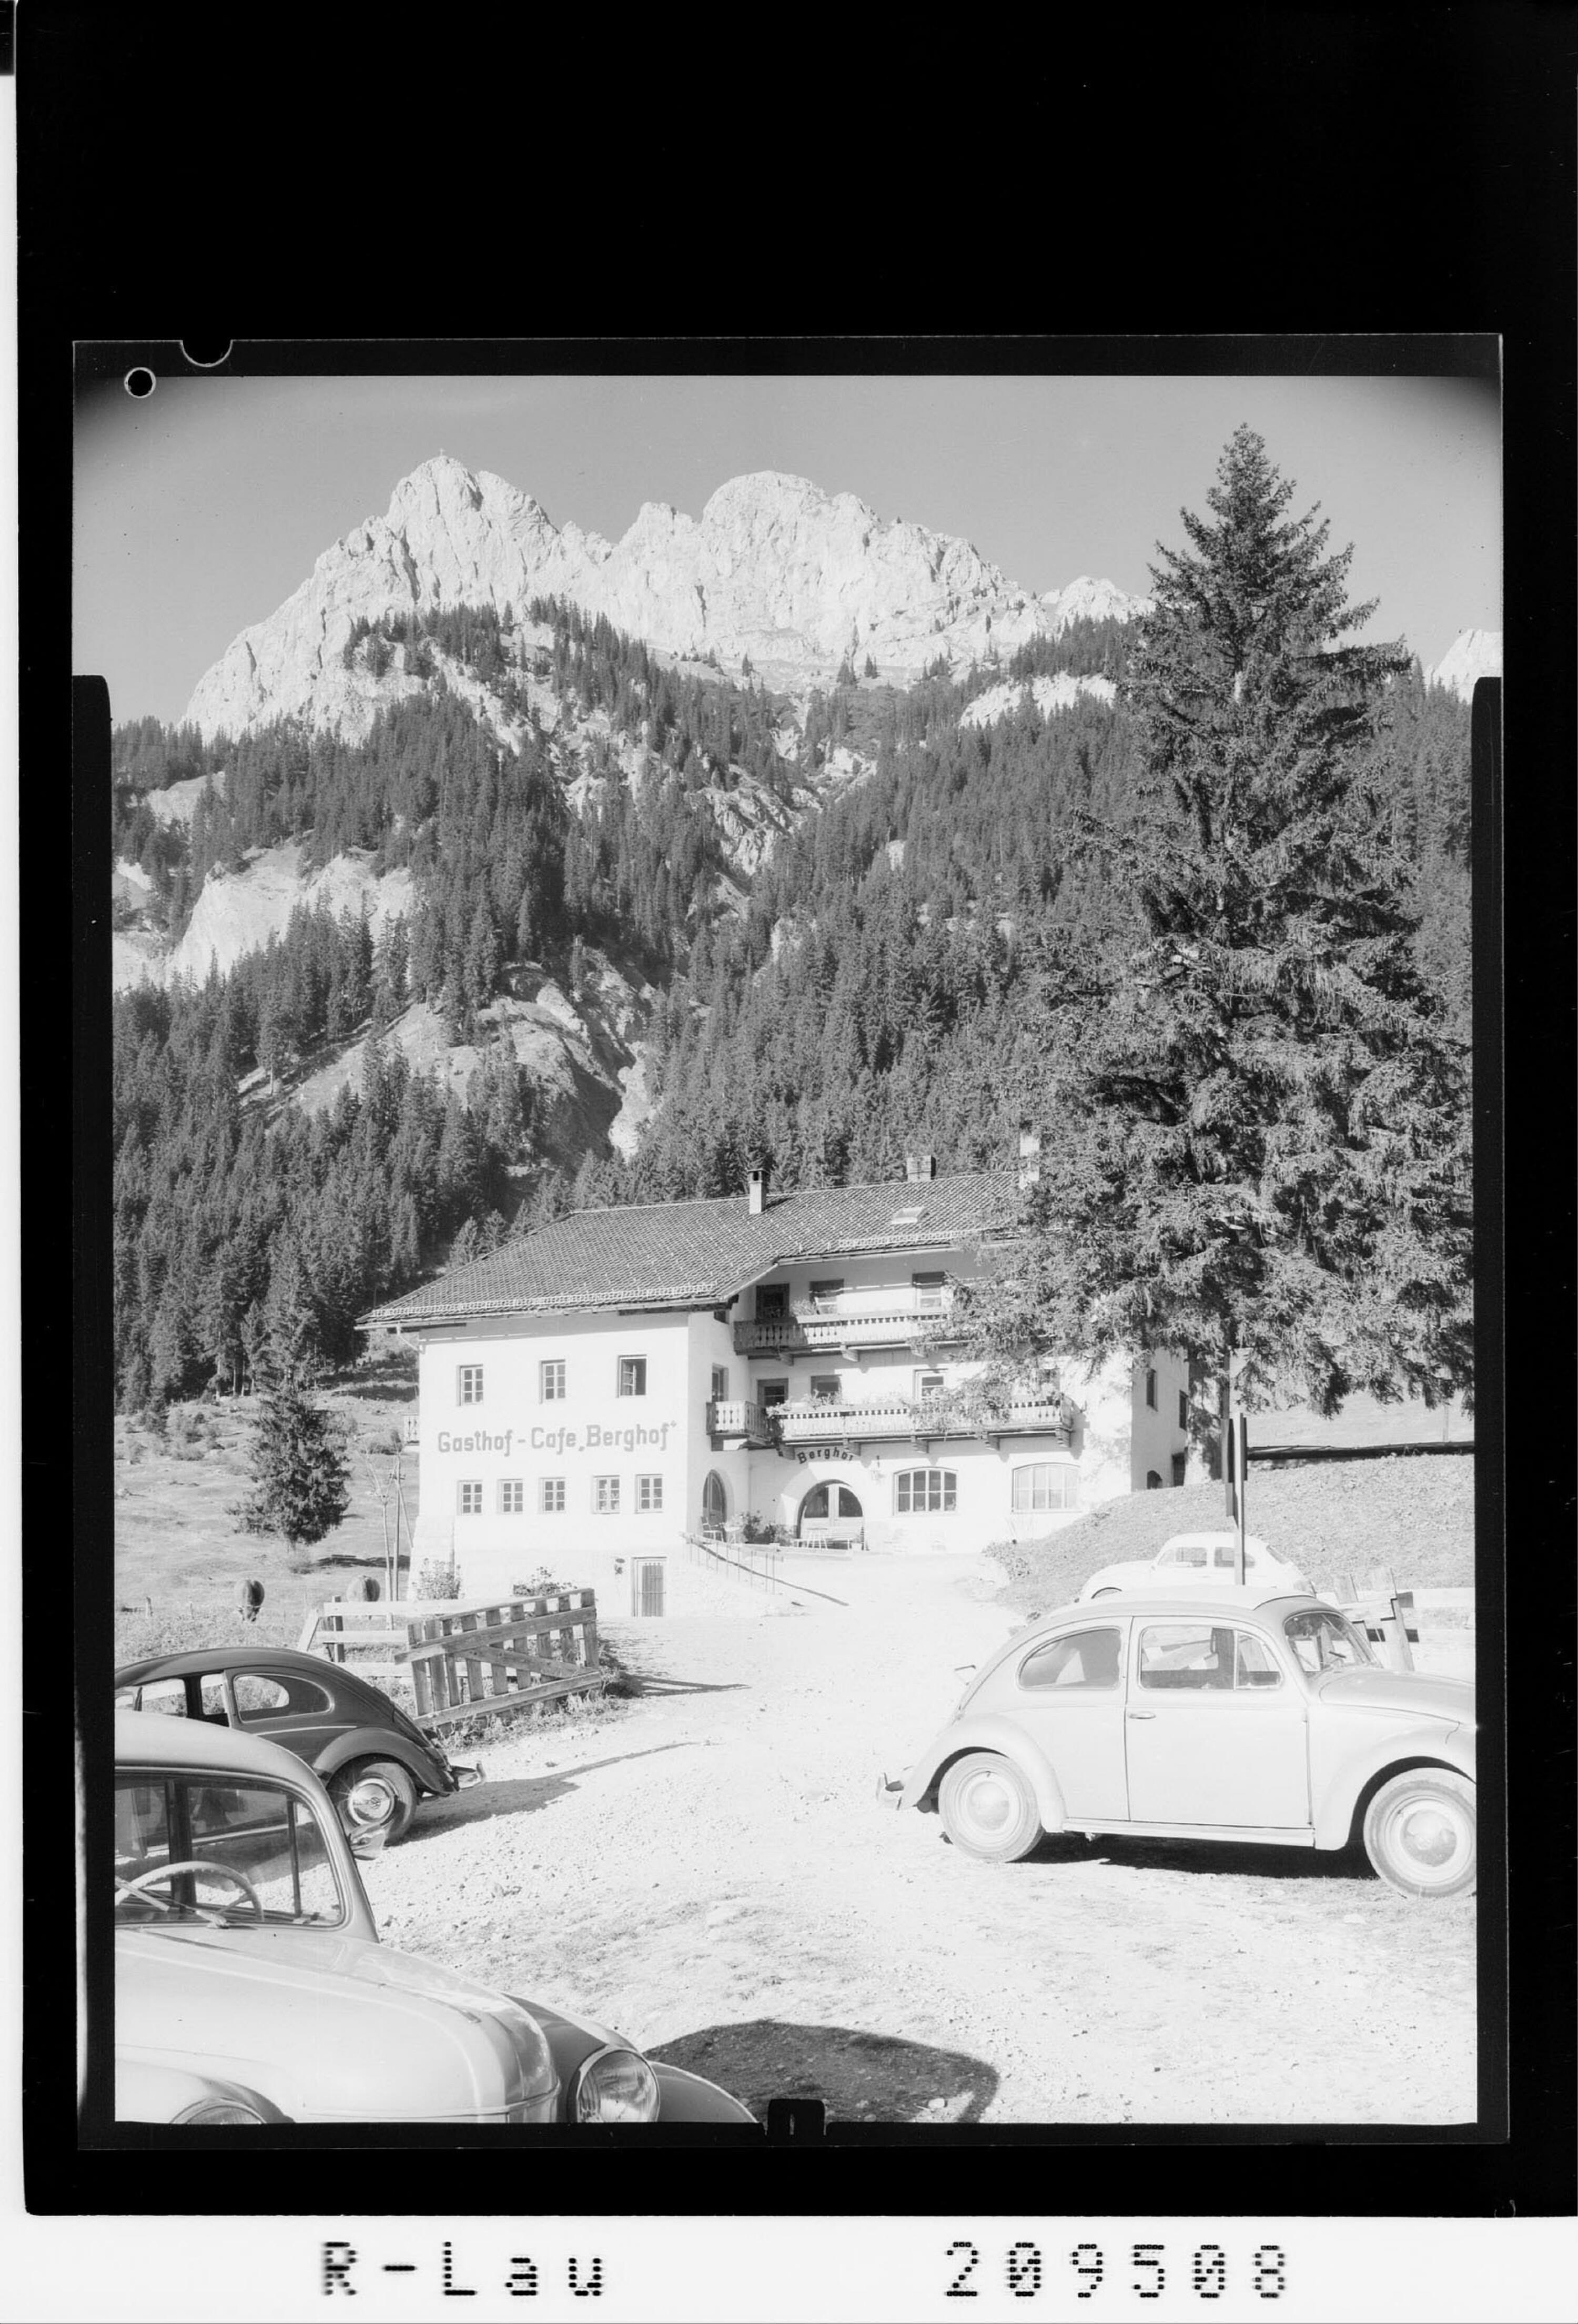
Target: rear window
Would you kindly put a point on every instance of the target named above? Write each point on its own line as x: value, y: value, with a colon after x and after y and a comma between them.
x: 1085, y: 1661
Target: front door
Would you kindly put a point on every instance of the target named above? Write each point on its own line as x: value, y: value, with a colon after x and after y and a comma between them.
x: 646, y: 1585
x: 1216, y: 1732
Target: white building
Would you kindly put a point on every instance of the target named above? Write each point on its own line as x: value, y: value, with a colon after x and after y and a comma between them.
x: 618, y: 1380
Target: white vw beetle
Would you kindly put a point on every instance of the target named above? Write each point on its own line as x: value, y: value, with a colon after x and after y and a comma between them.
x: 251, y: 1986
x: 1199, y: 1561
x: 1227, y: 1715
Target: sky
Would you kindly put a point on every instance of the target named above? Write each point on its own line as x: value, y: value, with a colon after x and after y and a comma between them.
x: 201, y: 508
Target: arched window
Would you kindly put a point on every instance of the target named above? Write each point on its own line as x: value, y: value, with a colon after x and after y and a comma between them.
x: 1045, y: 1485
x: 825, y: 1503
x: 914, y: 1489
x: 1153, y: 1480
x: 714, y: 1499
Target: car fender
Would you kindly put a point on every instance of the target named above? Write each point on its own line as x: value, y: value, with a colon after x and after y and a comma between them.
x: 687, y: 2098
x: 149, y: 2091
x: 987, y: 1732
x: 1425, y: 1743
x: 380, y: 1743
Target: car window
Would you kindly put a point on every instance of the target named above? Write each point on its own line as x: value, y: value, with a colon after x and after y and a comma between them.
x: 1323, y: 1639
x: 211, y: 1687
x: 265, y: 1694
x: 1084, y: 1661
x: 1188, y: 1553
x: 1226, y: 1556
x: 1254, y: 1664
x: 265, y: 1835
x: 1192, y: 1658
x: 163, y: 1694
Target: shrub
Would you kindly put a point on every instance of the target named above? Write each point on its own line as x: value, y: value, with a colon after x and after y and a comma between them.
x: 438, y: 1577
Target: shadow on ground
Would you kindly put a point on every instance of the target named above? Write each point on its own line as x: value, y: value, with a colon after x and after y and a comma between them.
x: 1248, y: 1860
x: 858, y: 2076
x: 633, y: 1682
x: 518, y: 1794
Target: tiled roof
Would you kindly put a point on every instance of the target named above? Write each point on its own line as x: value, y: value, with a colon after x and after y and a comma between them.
x: 701, y: 1254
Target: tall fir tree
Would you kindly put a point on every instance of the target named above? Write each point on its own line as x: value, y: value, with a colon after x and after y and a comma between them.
x: 300, y: 1473
x: 1258, y: 1117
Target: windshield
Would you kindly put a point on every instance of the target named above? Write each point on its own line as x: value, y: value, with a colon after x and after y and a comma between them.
x: 1323, y: 1639
x: 193, y: 1848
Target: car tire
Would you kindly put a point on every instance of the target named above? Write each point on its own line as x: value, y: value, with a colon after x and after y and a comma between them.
x: 1420, y: 1833
x: 375, y: 1795
x: 987, y: 1808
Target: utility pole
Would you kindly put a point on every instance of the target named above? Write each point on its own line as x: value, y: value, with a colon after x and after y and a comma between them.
x: 1235, y: 1464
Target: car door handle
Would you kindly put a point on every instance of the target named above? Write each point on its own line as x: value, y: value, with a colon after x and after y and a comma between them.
x: 1142, y: 1714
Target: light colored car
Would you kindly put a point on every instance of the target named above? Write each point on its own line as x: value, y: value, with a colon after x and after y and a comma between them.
x: 251, y: 1986
x: 1236, y: 1716
x: 1199, y: 1561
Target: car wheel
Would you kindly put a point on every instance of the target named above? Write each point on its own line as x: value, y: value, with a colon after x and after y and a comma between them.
x: 375, y: 1795
x: 988, y: 1809
x: 1420, y: 1833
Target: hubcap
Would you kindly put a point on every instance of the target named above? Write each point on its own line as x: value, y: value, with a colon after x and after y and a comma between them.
x: 989, y: 1804
x: 1430, y: 1839
x: 371, y: 1802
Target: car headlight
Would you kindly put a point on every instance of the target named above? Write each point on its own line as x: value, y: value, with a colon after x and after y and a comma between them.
x: 614, y: 2086
x: 211, y: 2110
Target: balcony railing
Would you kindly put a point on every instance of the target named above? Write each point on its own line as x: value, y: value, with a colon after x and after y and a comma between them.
x: 851, y: 1424
x: 749, y: 1421
x: 877, y: 1318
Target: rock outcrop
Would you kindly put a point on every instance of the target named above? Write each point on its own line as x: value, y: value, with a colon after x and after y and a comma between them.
x: 774, y: 571
x: 1473, y: 654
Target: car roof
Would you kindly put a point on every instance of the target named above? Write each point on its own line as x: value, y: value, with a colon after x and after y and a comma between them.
x: 1227, y: 1539
x: 1225, y: 1598
x: 252, y: 1656
x: 147, y: 1738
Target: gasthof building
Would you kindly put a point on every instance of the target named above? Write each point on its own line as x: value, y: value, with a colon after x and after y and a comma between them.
x: 603, y: 1388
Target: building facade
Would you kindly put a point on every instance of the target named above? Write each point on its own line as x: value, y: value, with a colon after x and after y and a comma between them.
x: 619, y: 1380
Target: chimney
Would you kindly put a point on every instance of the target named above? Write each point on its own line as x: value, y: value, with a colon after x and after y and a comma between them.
x: 759, y: 1191
x: 1030, y: 1156
x: 918, y: 1167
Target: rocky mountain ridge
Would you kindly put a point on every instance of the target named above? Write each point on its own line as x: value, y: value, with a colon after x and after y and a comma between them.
x: 774, y: 572
x: 1473, y: 654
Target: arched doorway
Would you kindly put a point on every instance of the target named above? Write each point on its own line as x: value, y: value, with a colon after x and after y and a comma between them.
x: 715, y: 1502
x: 828, y: 1507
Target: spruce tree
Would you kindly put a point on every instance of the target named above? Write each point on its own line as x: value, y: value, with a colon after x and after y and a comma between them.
x: 300, y: 1471
x: 1257, y: 1119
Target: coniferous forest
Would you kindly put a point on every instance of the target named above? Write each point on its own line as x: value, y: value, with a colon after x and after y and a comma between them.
x: 878, y: 985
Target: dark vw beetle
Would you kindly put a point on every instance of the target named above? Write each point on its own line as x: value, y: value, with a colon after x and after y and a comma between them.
x: 376, y: 1762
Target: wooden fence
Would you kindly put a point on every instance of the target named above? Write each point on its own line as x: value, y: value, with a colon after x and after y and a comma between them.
x: 465, y: 1662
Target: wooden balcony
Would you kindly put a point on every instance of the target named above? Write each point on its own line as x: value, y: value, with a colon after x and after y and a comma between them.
x: 888, y: 1318
x: 751, y: 1424
x: 852, y: 1425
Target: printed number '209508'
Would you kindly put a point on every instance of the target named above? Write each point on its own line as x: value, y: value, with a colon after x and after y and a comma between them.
x: 1205, y: 2270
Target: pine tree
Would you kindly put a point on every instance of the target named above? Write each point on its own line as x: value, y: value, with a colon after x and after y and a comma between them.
x: 1258, y: 1115
x: 300, y: 1471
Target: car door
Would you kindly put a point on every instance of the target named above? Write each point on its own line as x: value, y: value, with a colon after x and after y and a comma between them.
x: 1215, y: 1728
x: 1068, y: 1695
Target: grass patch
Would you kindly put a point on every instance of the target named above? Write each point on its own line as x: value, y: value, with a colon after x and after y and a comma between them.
x: 1413, y: 1512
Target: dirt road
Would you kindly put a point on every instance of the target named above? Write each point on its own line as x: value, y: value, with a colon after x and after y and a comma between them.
x: 713, y: 1874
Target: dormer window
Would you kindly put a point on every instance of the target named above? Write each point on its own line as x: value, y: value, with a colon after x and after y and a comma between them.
x: 907, y: 1218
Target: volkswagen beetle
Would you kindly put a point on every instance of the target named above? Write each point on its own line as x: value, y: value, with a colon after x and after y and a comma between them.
x: 251, y: 1985
x: 1223, y: 1715
x: 375, y: 1760
x: 1198, y: 1560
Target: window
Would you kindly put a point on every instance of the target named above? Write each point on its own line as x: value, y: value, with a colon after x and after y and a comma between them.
x: 470, y: 1500
x: 267, y: 1836
x: 1087, y: 1660
x: 550, y: 1495
x: 550, y: 1377
x: 632, y: 1376
x: 928, y: 1384
x: 512, y: 1496
x: 715, y: 1500
x: 649, y: 1493
x: 1186, y: 1553
x: 829, y: 1504
x: 720, y: 1384
x: 1180, y: 1467
x: 1045, y: 1485
x: 772, y: 1392
x: 1150, y: 1389
x: 1227, y: 1557
x: 931, y: 1293
x: 1183, y: 1408
x: 470, y: 1384
x: 771, y: 1299
x: 825, y: 1388
x: 259, y: 1695
x: 914, y: 1489
x: 827, y: 1294
x: 1190, y: 1657
x: 605, y: 1496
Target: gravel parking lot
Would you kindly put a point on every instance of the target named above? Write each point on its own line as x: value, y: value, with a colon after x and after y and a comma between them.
x: 711, y: 1871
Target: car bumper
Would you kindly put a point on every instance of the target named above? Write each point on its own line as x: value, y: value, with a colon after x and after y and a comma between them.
x: 465, y: 1776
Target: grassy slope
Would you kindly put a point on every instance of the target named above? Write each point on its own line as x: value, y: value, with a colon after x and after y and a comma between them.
x: 1413, y: 1513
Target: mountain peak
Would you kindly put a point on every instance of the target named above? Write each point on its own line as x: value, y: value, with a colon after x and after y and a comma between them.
x: 1473, y: 654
